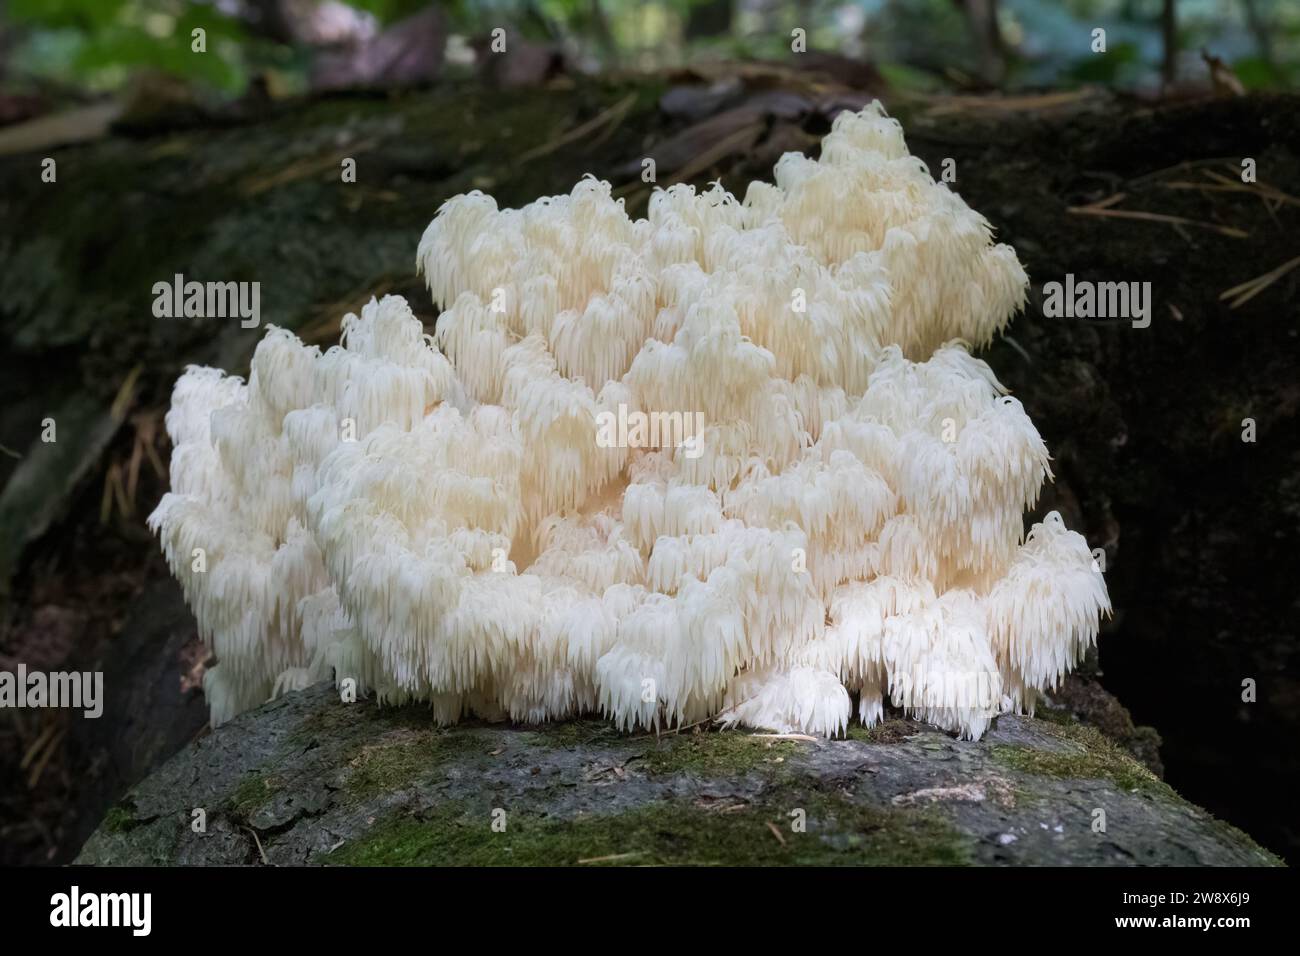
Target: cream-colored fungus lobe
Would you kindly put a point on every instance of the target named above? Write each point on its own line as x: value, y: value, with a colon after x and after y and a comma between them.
x: 434, y: 518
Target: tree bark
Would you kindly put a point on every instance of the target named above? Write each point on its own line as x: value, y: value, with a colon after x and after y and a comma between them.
x: 1169, y: 37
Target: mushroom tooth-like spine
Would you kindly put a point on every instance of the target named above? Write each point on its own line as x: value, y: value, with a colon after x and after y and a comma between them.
x: 794, y: 700
x: 1045, y: 612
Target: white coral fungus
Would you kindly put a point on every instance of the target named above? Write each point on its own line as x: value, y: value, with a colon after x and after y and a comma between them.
x: 433, y: 518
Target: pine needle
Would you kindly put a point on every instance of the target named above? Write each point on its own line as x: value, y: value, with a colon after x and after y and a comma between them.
x: 1094, y: 210
x: 776, y: 832
x: 1248, y: 290
x: 613, y: 857
x: 614, y: 115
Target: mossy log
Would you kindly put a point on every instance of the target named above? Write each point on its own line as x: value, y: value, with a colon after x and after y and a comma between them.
x: 309, y: 779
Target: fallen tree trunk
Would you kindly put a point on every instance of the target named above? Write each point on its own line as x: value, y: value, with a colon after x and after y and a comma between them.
x: 308, y: 779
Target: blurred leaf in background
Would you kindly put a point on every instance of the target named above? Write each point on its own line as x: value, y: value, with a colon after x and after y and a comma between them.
x: 95, y: 45
x: 91, y: 46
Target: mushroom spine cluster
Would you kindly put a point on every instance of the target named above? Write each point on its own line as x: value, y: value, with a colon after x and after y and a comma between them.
x: 837, y: 523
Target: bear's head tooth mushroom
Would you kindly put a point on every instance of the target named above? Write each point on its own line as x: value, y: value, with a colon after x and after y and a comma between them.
x: 434, y: 518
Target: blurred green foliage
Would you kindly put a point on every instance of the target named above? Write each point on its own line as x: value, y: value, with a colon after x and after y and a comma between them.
x: 97, y: 44
x: 94, y: 45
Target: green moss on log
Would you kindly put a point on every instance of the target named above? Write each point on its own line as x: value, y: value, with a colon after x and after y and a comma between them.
x: 1089, y: 755
x: 402, y: 761
x: 119, y: 820
x: 717, y: 753
x: 574, y: 733
x: 890, y: 731
x: 252, y: 794
x: 838, y: 833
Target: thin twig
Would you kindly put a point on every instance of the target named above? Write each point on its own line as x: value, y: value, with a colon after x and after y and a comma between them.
x: 612, y: 857
x: 1208, y: 187
x: 1186, y: 164
x: 258, y: 841
x: 940, y: 105
x: 1157, y: 217
x: 1248, y: 290
x: 616, y: 112
x: 38, y: 744
x: 744, y: 137
x: 1260, y: 187
x: 1107, y: 202
x: 48, y: 751
x: 125, y: 393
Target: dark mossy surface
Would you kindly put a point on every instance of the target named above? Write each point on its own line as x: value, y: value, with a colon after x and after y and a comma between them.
x: 718, y: 753
x: 889, y: 730
x: 252, y: 794
x: 400, y: 762
x: 308, y: 779
x: 1091, y: 755
x: 837, y: 833
x: 118, y: 820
